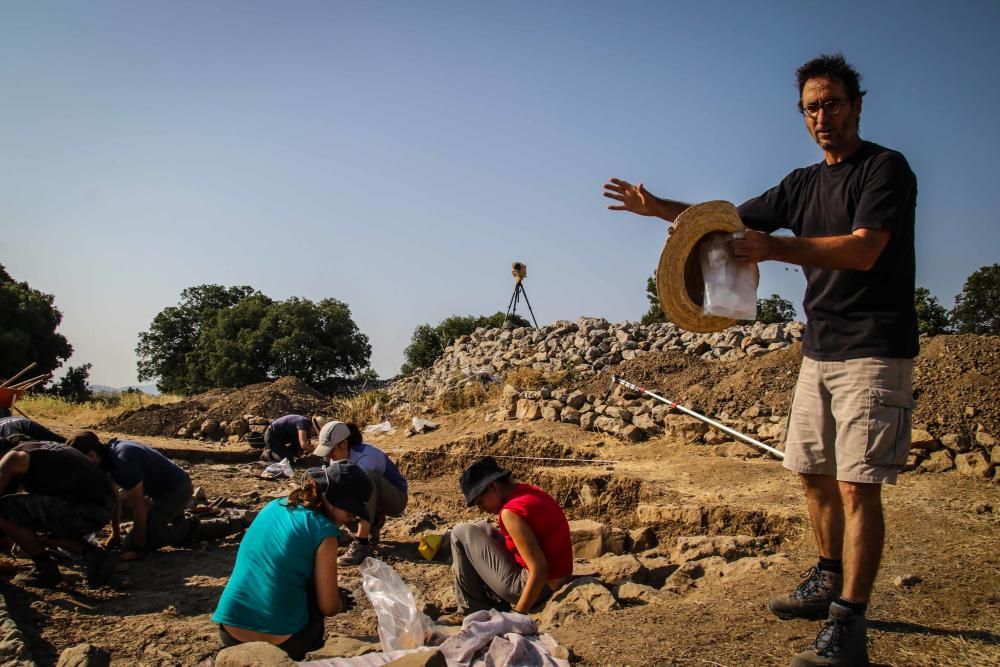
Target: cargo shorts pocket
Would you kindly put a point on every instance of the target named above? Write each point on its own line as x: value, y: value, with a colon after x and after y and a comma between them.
x: 890, y: 417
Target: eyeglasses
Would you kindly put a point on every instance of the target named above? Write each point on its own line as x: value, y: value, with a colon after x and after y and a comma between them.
x: 830, y: 108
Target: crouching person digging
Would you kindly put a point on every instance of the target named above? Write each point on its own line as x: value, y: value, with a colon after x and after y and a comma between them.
x: 157, y: 491
x: 67, y: 499
x: 285, y: 577
x: 521, y: 562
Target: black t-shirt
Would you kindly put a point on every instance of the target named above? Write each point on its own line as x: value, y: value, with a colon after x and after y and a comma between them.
x: 61, y: 471
x: 851, y: 314
x: 132, y: 463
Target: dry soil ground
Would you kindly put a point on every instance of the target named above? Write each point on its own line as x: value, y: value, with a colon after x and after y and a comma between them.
x: 157, y: 612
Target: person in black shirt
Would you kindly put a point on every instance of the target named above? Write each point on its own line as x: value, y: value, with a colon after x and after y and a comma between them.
x: 852, y: 220
x: 68, y: 498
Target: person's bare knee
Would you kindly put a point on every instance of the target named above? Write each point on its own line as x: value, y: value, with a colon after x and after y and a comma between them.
x: 859, y: 497
x: 820, y: 486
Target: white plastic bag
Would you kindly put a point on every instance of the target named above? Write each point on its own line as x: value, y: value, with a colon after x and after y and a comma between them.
x: 730, y: 283
x: 401, y: 625
x: 421, y: 425
x: 381, y: 427
x: 276, y: 470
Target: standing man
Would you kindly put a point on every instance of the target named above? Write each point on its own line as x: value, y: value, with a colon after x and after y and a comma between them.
x: 852, y: 216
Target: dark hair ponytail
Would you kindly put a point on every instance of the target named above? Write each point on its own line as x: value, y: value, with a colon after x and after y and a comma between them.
x: 309, y: 496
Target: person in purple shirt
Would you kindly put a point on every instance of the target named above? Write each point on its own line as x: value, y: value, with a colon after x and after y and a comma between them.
x: 342, y: 442
x: 288, y: 437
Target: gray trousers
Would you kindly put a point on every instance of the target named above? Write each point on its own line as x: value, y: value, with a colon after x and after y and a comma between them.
x: 486, y: 574
x: 386, y: 500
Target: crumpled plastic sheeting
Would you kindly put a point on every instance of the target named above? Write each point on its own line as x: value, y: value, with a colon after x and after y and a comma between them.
x: 500, y: 639
x: 487, y: 639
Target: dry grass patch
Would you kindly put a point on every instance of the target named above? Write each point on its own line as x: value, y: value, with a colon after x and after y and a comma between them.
x: 530, y: 379
x: 362, y: 409
x: 101, y: 407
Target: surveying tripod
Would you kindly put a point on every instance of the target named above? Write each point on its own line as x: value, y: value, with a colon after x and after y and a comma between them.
x: 514, y: 299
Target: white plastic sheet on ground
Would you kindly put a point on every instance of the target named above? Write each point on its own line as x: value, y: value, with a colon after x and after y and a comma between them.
x: 487, y: 638
x: 275, y: 470
x: 730, y: 283
x: 421, y: 425
x: 381, y: 427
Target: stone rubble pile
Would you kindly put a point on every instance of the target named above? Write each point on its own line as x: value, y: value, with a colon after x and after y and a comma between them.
x: 231, y: 432
x: 583, y: 347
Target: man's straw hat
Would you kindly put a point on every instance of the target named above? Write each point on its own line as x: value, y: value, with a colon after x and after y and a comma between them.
x: 679, y: 282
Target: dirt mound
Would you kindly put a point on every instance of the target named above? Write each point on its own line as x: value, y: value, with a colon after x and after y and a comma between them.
x: 710, y: 386
x: 287, y: 395
x: 954, y: 382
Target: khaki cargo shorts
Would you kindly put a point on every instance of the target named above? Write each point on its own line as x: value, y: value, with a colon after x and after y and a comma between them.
x: 851, y: 419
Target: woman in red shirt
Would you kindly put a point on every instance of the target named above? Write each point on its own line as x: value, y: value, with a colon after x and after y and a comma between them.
x: 521, y: 562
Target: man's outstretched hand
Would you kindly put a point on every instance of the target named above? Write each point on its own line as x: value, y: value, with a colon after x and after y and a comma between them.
x: 633, y: 198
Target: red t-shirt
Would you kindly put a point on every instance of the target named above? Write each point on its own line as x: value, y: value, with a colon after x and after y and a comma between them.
x: 549, y: 524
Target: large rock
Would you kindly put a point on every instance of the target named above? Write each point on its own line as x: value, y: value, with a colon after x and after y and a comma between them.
x: 684, y: 428
x: 344, y: 646
x: 428, y: 658
x: 580, y: 597
x: 632, y: 593
x: 939, y: 461
x: 641, y: 539
x: 958, y: 443
x: 614, y: 570
x: 589, y: 538
x: 729, y: 547
x: 921, y: 439
x: 974, y: 464
x: 689, y: 515
x: 528, y: 409
x: 253, y: 654
x: 84, y: 655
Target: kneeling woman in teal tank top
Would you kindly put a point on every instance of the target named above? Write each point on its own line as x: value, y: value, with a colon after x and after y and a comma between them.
x: 285, y: 577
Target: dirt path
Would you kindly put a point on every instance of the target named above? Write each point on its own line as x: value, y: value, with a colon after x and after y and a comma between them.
x: 158, y: 611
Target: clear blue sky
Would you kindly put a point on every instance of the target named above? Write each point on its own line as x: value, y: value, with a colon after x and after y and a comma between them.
x: 399, y: 155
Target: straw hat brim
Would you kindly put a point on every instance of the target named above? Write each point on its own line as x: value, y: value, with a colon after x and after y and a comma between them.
x: 679, y: 282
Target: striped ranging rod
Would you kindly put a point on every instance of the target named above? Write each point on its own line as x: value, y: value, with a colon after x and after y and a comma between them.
x: 711, y: 422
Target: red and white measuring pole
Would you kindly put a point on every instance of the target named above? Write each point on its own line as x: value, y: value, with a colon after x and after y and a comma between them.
x: 711, y: 422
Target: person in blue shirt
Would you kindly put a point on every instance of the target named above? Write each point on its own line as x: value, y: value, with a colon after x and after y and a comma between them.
x: 285, y: 577
x: 340, y: 441
x: 157, y: 491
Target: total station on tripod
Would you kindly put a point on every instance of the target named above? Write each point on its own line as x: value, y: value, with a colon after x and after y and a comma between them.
x: 520, y: 271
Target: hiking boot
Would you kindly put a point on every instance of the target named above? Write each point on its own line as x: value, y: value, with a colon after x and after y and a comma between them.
x: 99, y: 566
x: 842, y: 642
x: 267, y: 456
x: 44, y: 574
x: 811, y: 599
x: 355, y: 553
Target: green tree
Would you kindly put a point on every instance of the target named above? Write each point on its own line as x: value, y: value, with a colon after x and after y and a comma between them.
x: 428, y: 342
x: 774, y: 309
x: 28, y: 333
x: 74, y: 386
x: 977, y: 308
x: 655, y: 313
x: 168, y: 352
x: 231, y: 337
x: 932, y: 318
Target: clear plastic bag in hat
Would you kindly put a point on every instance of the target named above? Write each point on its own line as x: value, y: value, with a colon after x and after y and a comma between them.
x: 730, y: 283
x: 401, y: 625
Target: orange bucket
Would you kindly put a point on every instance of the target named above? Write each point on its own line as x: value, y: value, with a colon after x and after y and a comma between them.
x: 7, y: 397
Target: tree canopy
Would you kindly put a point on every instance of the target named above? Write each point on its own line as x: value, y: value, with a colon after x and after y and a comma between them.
x: 428, y: 342
x: 655, y: 313
x: 233, y: 336
x: 774, y: 309
x: 28, y: 334
x: 977, y: 308
x: 932, y: 318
